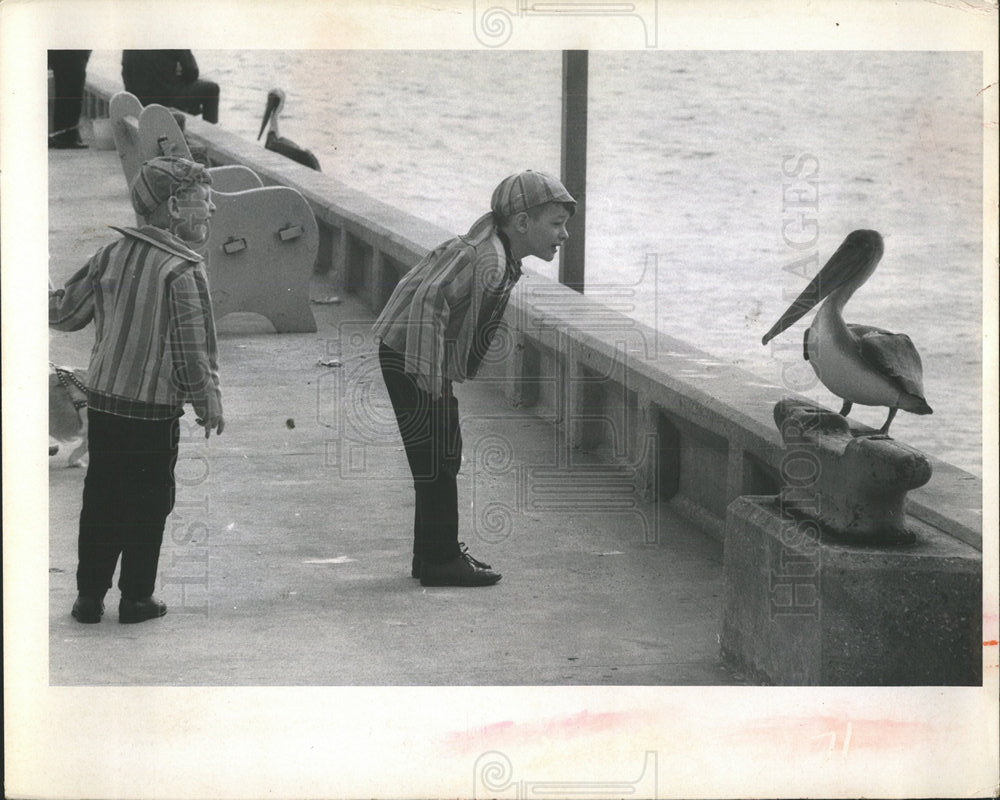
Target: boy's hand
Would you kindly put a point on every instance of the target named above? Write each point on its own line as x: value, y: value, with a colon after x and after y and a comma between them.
x: 216, y: 423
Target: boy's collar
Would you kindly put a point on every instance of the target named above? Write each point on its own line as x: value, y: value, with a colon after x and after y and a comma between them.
x: 505, y: 241
x: 483, y: 228
x: 163, y: 239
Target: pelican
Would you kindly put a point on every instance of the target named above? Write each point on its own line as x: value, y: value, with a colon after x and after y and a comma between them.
x: 279, y: 144
x: 858, y: 363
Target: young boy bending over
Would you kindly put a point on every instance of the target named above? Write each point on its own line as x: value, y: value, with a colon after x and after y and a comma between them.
x: 436, y: 329
x: 154, y: 350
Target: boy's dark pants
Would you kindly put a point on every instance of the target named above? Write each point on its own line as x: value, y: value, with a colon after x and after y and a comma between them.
x: 127, y: 495
x: 433, y: 442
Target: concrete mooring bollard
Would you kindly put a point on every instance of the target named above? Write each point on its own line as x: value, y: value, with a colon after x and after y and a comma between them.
x: 853, y: 486
x: 831, y: 583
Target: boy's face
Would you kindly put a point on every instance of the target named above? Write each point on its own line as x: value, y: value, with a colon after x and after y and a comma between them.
x: 191, y: 208
x: 546, y: 231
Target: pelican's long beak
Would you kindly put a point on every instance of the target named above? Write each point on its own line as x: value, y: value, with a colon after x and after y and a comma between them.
x: 849, y: 267
x: 273, y: 100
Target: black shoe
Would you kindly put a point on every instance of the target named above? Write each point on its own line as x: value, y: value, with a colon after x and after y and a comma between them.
x: 66, y: 140
x: 460, y: 571
x: 87, y: 609
x: 140, y: 610
x: 417, y: 561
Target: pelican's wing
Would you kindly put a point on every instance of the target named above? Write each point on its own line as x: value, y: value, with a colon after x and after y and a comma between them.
x: 289, y: 149
x: 864, y: 330
x: 893, y: 355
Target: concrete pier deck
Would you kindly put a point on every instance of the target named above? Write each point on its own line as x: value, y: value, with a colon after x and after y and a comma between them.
x: 287, y: 558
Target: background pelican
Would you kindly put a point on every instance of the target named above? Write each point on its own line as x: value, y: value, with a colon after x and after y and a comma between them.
x: 858, y: 363
x: 279, y: 144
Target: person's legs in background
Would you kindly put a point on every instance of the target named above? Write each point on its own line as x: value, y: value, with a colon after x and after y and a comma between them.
x: 69, y: 69
x: 199, y: 97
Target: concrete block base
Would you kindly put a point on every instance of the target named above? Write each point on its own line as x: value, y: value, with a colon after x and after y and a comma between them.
x: 804, y: 609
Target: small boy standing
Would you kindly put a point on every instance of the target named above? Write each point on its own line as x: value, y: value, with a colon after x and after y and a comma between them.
x: 154, y: 350
x: 435, y: 330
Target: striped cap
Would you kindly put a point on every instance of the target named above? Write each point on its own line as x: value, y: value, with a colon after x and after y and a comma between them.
x: 160, y: 178
x: 526, y: 190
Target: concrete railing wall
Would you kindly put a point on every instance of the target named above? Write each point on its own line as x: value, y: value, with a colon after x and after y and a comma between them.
x: 696, y: 433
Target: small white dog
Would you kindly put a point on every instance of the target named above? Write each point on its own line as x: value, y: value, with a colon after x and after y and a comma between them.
x: 68, y: 412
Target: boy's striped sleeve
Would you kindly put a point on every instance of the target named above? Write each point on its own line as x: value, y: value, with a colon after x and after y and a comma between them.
x: 194, y: 354
x: 72, y: 307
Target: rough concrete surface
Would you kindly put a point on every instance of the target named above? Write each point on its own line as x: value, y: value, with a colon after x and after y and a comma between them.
x: 802, y: 611
x: 287, y: 558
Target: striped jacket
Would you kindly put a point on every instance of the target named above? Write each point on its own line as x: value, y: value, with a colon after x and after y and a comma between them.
x: 443, y: 313
x: 154, y: 334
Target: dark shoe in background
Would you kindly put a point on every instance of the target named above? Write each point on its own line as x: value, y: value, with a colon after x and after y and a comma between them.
x: 140, y: 610
x: 87, y: 609
x: 460, y: 571
x: 66, y: 140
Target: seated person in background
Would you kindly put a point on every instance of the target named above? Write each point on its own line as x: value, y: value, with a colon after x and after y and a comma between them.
x: 170, y: 78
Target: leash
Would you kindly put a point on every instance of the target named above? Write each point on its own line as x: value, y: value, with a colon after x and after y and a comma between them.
x: 67, y: 377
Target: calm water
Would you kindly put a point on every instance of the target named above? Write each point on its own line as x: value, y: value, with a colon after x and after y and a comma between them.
x: 690, y: 155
